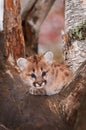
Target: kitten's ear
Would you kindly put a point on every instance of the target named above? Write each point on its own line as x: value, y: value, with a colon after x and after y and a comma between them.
x: 48, y: 56
x: 21, y: 63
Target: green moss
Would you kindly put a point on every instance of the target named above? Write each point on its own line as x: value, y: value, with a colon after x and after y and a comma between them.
x: 79, y: 32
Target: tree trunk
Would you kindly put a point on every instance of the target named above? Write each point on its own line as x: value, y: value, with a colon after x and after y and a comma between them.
x: 32, y: 22
x: 75, y: 28
x: 21, y: 111
x: 26, y: 5
x: 14, y: 41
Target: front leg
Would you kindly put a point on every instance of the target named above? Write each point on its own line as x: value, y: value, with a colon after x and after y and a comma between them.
x: 35, y: 91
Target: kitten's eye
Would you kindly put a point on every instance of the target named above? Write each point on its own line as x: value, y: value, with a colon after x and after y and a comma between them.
x: 43, y: 73
x: 33, y: 75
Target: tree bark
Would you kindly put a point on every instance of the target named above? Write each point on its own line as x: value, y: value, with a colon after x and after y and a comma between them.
x: 2, y: 127
x: 26, y: 6
x: 75, y: 26
x: 21, y: 111
x: 32, y: 22
x: 14, y: 41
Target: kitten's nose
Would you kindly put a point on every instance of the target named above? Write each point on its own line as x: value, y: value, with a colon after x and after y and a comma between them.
x: 40, y: 84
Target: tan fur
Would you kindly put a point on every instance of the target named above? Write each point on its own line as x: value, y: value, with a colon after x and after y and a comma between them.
x: 57, y: 75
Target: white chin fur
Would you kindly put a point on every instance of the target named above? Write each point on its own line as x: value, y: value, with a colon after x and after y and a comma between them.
x: 39, y: 87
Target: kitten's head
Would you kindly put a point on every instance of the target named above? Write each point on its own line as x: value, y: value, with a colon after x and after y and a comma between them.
x: 36, y: 70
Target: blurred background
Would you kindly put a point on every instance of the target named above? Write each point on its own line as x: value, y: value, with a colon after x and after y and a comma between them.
x: 50, y: 31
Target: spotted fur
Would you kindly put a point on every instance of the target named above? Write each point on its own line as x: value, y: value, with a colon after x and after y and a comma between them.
x: 44, y: 76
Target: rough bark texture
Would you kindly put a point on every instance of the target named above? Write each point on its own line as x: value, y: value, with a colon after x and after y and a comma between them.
x: 76, y: 55
x: 14, y: 41
x: 75, y: 13
x: 33, y: 20
x: 21, y: 111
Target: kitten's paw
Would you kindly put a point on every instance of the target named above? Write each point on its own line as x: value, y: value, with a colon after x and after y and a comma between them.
x: 35, y: 91
x: 32, y: 90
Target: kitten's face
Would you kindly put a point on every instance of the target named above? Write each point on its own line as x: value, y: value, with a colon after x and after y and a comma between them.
x: 37, y: 72
x: 37, y: 75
